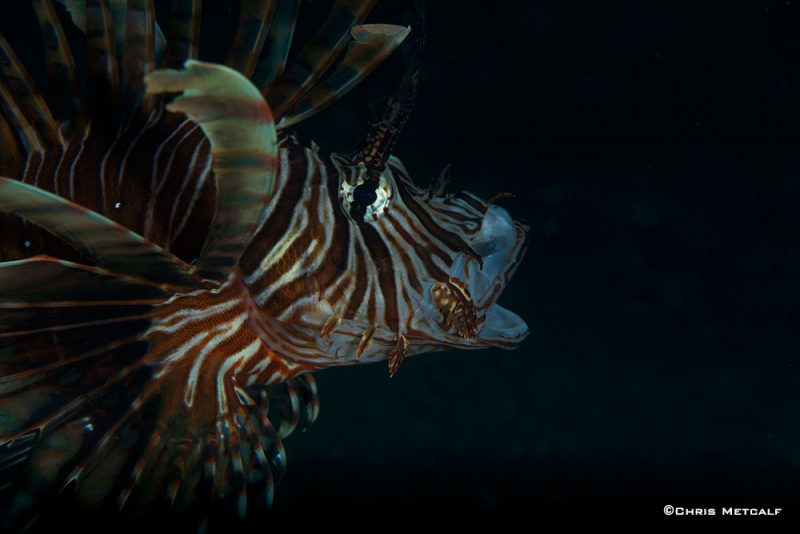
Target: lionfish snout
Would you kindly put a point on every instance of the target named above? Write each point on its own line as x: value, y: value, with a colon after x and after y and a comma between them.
x: 466, y: 304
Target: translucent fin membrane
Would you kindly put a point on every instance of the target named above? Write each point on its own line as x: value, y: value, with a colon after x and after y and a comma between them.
x: 254, y: 21
x: 67, y: 103
x: 239, y: 125
x: 112, y: 246
x: 371, y: 44
x: 184, y: 32
x: 138, y: 57
x: 272, y: 59
x: 20, y: 93
x: 316, y: 57
x: 101, y: 59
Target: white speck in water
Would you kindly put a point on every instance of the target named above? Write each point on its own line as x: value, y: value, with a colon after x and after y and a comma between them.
x: 87, y: 424
x: 26, y: 244
x: 117, y: 205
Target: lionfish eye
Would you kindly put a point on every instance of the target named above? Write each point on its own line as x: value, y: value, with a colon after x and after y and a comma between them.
x: 364, y: 195
x: 367, y: 199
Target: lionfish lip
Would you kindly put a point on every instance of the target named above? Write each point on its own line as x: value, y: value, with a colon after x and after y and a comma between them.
x: 502, y: 328
x: 501, y: 245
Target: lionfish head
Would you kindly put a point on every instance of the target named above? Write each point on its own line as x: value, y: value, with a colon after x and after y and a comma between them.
x: 442, y: 261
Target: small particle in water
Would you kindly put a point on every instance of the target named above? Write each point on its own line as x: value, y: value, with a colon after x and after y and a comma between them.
x: 117, y: 205
x: 87, y: 424
x: 26, y: 244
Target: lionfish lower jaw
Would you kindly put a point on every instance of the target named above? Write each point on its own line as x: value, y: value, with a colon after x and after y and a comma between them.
x: 502, y: 328
x: 494, y: 326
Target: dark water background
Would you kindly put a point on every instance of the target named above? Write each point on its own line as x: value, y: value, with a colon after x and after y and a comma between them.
x: 654, y: 149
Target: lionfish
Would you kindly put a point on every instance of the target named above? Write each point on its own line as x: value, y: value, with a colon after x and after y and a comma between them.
x: 174, y: 263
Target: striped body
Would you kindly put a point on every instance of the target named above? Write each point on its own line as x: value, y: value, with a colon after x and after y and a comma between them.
x: 308, y: 266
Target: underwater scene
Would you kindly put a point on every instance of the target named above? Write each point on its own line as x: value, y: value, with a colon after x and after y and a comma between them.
x: 265, y: 263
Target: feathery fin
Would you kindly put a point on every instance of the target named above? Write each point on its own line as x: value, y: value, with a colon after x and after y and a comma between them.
x: 25, y: 95
x: 11, y: 157
x: 288, y: 402
x: 77, y: 10
x: 138, y: 57
x: 13, y: 458
x: 27, y: 133
x: 371, y: 44
x: 317, y: 55
x: 101, y: 60
x: 239, y: 125
x: 254, y: 19
x: 114, y: 395
x: 50, y: 281
x: 184, y: 32
x: 112, y: 246
x: 62, y: 87
x: 272, y: 60
x: 309, y: 394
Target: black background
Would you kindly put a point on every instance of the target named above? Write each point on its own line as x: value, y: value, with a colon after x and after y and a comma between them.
x: 653, y: 148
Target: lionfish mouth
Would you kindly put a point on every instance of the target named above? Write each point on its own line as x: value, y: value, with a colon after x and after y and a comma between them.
x: 467, y: 303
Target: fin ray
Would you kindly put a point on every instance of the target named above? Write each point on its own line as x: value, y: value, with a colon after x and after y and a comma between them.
x: 275, y: 51
x: 184, y: 31
x: 112, y: 246
x: 254, y: 22
x: 317, y: 55
x: 240, y: 128
x: 27, y: 133
x: 24, y: 93
x: 62, y: 85
x: 309, y: 394
x: 138, y: 56
x: 11, y: 153
x: 43, y: 280
x: 371, y: 44
x: 101, y: 60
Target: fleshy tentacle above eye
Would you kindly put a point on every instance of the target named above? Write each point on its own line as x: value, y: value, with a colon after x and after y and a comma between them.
x: 240, y: 128
x: 383, y: 134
